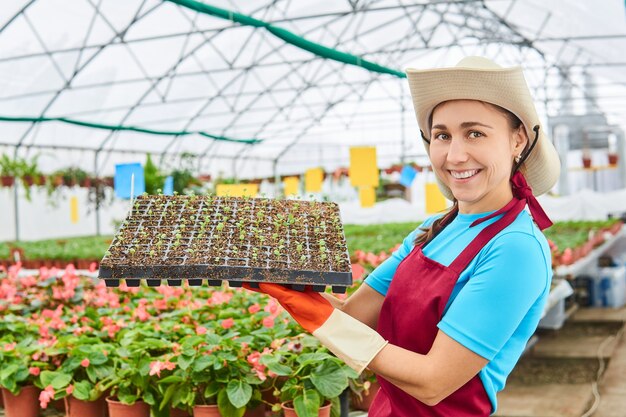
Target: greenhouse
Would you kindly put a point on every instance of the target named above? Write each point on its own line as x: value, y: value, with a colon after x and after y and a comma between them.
x: 335, y: 208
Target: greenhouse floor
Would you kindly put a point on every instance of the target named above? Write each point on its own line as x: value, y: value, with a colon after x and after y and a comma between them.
x: 555, y: 378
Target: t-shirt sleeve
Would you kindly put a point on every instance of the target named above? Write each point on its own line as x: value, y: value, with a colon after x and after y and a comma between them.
x: 513, y: 274
x: 380, y: 278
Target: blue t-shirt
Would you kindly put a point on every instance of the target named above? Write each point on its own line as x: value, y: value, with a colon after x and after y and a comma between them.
x: 498, y: 300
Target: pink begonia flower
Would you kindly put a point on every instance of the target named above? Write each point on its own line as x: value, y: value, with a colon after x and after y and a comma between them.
x: 200, y: 330
x: 93, y: 266
x: 254, y: 308
x: 157, y: 366
x: 228, y: 323
x: 295, y: 347
x: 160, y: 304
x: 69, y: 389
x: 253, y: 358
x: 46, y: 396
x: 9, y: 346
x: 43, y: 273
x: 272, y: 306
x: 84, y: 363
x: 357, y: 272
x: 33, y: 370
x: 29, y: 281
x: 219, y: 297
x: 268, y: 322
x: 276, y: 343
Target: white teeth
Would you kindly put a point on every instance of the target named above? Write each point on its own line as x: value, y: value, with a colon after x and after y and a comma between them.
x: 464, y: 174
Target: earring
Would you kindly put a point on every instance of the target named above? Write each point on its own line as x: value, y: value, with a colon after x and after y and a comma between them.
x: 517, y: 159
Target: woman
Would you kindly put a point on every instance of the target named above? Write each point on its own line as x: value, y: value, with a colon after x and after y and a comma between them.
x: 454, y: 306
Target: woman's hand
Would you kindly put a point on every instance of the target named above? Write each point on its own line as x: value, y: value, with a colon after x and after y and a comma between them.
x: 348, y: 338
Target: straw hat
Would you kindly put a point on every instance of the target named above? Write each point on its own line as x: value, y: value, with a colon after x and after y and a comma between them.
x: 477, y: 78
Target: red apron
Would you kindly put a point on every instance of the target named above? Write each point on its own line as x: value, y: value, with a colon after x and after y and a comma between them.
x: 413, y: 307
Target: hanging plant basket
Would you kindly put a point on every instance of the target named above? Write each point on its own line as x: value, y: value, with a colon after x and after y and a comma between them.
x: 7, y: 181
x: 238, y: 240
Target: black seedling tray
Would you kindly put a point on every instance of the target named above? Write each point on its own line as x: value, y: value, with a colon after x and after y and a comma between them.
x: 168, y: 239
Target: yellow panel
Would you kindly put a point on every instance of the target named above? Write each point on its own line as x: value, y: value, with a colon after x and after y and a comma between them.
x: 367, y: 195
x: 237, y: 190
x: 363, y: 166
x: 435, y: 201
x: 74, y: 209
x: 291, y: 185
x: 313, y: 179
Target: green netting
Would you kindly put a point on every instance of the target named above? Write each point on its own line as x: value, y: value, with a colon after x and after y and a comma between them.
x: 128, y: 128
x: 289, y: 37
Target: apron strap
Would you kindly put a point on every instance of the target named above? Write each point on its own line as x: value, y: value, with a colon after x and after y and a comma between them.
x: 513, y: 208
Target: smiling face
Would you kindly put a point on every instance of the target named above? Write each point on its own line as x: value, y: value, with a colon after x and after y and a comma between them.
x: 472, y: 148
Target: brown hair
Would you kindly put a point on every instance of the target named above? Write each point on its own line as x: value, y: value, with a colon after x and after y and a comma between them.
x: 429, y: 233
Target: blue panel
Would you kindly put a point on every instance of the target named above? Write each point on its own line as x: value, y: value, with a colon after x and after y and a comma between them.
x: 407, y: 175
x: 168, y: 188
x: 123, y: 173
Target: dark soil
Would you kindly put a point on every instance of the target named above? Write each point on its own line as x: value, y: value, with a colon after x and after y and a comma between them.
x: 298, y: 241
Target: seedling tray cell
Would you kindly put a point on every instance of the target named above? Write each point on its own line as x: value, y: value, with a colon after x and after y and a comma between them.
x: 168, y: 239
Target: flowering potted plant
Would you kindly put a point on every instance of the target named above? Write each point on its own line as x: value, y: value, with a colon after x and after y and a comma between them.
x: 134, y: 386
x: 19, y: 370
x: 83, y: 376
x: 316, y: 380
x: 211, y: 372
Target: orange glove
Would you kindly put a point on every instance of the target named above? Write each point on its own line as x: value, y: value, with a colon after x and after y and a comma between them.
x: 349, y: 339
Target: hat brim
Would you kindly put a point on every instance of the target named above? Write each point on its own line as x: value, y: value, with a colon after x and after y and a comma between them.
x: 504, y: 87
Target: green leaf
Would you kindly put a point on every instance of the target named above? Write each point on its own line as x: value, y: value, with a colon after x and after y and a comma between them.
x: 307, y: 404
x: 97, y: 358
x: 169, y: 392
x: 71, y: 363
x: 278, y: 368
x: 239, y: 393
x: 226, y: 408
x: 329, y: 379
x: 335, y: 407
x: 184, y: 362
x: 82, y: 390
x: 148, y: 398
x: 58, y: 380
x: 316, y: 357
x: 203, y: 362
x: 211, y: 390
x: 170, y: 379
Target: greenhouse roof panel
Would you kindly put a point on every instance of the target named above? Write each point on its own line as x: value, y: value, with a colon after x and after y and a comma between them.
x: 164, y: 67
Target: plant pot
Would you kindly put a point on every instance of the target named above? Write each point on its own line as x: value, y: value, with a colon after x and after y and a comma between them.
x: 58, y: 405
x: 205, y: 411
x: 118, y: 409
x: 29, y: 180
x: 24, y: 404
x: 57, y: 181
x: 586, y: 162
x: 290, y: 412
x: 78, y: 408
x: 613, y: 158
x: 7, y: 181
x: 85, y: 183
x: 366, y: 400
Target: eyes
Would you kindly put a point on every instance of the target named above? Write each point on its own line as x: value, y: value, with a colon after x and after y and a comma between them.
x: 472, y: 134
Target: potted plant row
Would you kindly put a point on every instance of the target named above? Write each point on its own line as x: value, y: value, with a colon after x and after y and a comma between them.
x: 165, y: 351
